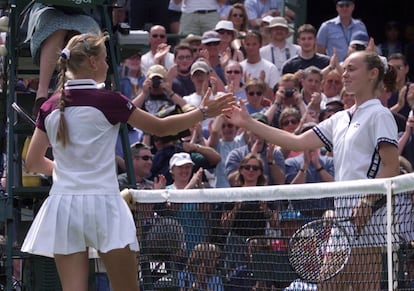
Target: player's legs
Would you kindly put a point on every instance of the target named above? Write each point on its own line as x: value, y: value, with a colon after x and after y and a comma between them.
x: 73, y: 271
x: 121, y: 267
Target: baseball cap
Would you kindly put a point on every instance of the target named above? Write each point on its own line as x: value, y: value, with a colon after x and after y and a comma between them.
x: 260, y: 117
x: 179, y: 159
x: 157, y: 71
x: 210, y: 36
x: 360, y: 38
x: 267, y: 18
x: 200, y: 66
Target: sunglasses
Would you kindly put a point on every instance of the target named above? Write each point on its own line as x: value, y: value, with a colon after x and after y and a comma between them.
x: 229, y: 125
x: 182, y: 58
x: 336, y: 82
x: 250, y: 168
x: 214, y: 43
x: 237, y: 15
x: 158, y: 35
x: 233, y: 72
x: 145, y: 158
x: 223, y: 31
x: 290, y: 121
x: 252, y: 93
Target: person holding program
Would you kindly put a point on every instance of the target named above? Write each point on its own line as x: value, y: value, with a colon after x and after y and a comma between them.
x: 84, y: 207
x: 363, y: 140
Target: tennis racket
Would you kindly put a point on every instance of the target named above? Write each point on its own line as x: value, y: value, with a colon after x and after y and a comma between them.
x: 320, y: 249
x: 23, y: 113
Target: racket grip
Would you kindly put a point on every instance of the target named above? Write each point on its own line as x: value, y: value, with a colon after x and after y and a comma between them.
x: 379, y: 204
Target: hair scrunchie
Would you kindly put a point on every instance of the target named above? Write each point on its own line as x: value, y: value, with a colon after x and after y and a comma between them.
x: 65, y: 53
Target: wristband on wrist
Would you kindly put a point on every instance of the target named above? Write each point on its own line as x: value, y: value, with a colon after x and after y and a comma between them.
x: 204, y: 112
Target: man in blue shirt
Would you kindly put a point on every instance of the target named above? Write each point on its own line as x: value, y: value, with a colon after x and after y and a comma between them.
x: 337, y: 32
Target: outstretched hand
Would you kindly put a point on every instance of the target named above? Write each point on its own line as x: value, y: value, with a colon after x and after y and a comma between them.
x: 238, y: 115
x: 217, y: 105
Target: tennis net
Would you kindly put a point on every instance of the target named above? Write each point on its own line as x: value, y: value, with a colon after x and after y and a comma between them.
x: 240, y: 238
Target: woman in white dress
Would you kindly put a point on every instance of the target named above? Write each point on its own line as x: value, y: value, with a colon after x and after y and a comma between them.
x: 84, y: 208
x: 363, y: 140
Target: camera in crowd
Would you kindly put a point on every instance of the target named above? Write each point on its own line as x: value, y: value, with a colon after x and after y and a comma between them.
x: 156, y: 82
x: 289, y: 92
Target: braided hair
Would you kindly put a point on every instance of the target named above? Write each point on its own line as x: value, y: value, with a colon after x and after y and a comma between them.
x: 74, y: 59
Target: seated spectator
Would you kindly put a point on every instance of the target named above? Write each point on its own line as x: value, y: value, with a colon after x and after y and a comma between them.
x: 210, y: 43
x: 201, y: 272
x: 248, y: 218
x: 132, y: 78
x: 254, y: 65
x: 157, y: 91
x: 274, y: 168
x: 234, y: 75
x: 348, y: 99
x: 194, y: 41
x: 287, y: 94
x: 310, y: 167
x: 331, y: 87
x: 227, y: 51
x: 192, y: 216
x: 180, y: 72
x: 256, y: 91
x: 311, y: 93
x: 238, y: 16
x: 289, y: 120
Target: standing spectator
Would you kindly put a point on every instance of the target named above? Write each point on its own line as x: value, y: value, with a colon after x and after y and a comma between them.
x: 336, y: 33
x: 159, y: 53
x: 392, y: 43
x: 197, y: 16
x: 308, y: 55
x: 181, y: 82
x: 157, y: 91
x: 238, y: 16
x: 257, y: 9
x: 174, y: 15
x: 254, y: 66
x: 398, y: 99
x: 210, y: 43
x: 279, y: 50
x: 143, y: 12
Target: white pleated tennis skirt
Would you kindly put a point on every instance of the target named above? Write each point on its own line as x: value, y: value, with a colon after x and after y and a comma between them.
x: 67, y: 224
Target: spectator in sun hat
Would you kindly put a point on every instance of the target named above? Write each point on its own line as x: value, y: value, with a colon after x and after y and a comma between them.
x: 211, y: 42
x: 227, y: 49
x: 343, y: 25
x: 279, y: 49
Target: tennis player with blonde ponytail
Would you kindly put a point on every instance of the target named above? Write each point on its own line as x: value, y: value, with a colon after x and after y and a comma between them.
x: 84, y: 208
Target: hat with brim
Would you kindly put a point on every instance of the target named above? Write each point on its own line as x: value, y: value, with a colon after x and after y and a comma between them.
x: 180, y: 159
x: 157, y: 71
x: 225, y: 25
x: 200, y: 66
x: 210, y: 36
x: 280, y: 22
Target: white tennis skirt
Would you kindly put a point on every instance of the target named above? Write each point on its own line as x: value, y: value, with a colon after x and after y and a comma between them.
x: 67, y: 224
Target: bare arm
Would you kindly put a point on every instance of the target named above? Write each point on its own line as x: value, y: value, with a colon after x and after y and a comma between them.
x: 308, y: 140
